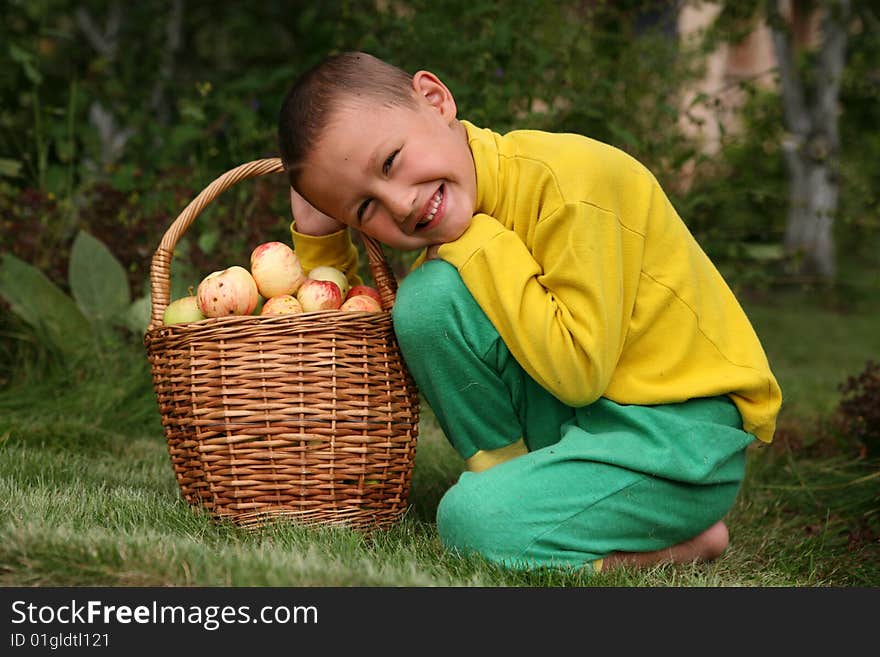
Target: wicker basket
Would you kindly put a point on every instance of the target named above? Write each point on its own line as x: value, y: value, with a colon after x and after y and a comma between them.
x: 311, y: 417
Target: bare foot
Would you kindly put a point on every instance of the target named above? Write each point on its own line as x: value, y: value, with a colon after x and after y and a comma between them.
x: 703, y: 547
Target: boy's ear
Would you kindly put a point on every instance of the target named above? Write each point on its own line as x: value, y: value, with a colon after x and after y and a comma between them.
x: 430, y: 88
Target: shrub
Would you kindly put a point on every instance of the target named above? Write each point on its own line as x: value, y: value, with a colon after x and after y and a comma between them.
x: 858, y: 413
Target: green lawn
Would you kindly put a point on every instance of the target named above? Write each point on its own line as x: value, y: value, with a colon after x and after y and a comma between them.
x: 813, y: 350
x: 89, y: 498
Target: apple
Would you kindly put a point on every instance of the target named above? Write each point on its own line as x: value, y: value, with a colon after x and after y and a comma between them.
x: 276, y: 269
x: 327, y: 273
x: 362, y: 302
x: 316, y: 294
x: 282, y: 304
x: 230, y: 291
x: 364, y: 289
x: 182, y: 310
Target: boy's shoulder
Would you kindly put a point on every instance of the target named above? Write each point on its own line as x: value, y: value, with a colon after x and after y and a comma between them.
x: 553, y: 148
x: 562, y: 145
x: 577, y: 167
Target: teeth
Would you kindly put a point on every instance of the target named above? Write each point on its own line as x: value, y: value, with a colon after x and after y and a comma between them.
x: 435, y: 203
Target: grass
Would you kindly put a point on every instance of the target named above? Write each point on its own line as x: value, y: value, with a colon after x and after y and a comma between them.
x: 88, y: 498
x: 813, y: 349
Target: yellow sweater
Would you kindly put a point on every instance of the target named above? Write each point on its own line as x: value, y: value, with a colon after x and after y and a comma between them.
x: 594, y: 282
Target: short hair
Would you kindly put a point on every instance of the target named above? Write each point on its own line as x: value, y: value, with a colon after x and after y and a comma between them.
x: 317, y: 94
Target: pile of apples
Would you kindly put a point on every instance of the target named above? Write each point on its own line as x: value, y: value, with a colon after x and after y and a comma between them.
x: 276, y: 278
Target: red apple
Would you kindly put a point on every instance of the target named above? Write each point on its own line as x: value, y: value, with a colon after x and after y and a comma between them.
x: 315, y: 294
x: 362, y: 302
x: 282, y: 304
x: 327, y: 273
x: 276, y: 269
x: 230, y: 291
x: 364, y: 289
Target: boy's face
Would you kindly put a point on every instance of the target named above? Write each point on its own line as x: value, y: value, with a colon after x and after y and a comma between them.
x: 403, y: 175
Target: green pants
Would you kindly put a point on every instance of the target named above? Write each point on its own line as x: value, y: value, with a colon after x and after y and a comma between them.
x: 597, y: 479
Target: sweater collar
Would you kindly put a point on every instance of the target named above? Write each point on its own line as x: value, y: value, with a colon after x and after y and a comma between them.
x: 487, y: 163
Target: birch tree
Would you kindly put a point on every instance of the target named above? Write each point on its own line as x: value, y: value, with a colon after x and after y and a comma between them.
x: 106, y: 40
x: 810, y: 90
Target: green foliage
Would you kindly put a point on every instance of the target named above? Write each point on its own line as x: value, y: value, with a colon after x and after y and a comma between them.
x: 55, y: 317
x: 183, y: 117
x: 859, y: 218
x: 98, y: 281
x: 71, y: 325
x: 858, y: 414
x: 622, y: 84
x: 189, y: 96
x: 736, y: 206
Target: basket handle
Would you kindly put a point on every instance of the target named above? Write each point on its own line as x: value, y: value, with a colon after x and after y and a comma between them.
x: 160, y: 278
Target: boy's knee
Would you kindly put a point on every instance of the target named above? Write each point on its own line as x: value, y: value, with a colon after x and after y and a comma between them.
x: 460, y: 517
x: 471, y: 520
x: 424, y: 302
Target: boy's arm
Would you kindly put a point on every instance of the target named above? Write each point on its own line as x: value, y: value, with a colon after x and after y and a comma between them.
x: 560, y: 310
x: 319, y: 239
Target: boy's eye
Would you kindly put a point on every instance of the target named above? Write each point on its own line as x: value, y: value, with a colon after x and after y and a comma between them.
x: 362, y: 208
x: 386, y: 167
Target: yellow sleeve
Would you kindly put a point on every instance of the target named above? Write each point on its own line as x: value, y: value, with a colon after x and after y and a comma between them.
x: 336, y: 250
x: 560, y: 310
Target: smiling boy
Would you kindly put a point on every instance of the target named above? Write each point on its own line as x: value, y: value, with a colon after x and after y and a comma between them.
x: 580, y: 351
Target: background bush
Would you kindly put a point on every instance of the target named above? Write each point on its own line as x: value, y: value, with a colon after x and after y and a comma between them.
x: 114, y: 116
x: 185, y: 109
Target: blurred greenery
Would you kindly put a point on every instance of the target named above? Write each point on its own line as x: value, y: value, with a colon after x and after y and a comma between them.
x: 114, y: 116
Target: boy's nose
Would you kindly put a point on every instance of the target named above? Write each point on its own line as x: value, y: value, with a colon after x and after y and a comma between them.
x: 401, y: 204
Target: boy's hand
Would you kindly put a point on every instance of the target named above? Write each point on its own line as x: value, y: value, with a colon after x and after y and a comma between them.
x: 309, y: 220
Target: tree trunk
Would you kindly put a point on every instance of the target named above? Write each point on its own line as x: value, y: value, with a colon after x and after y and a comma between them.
x: 809, y: 235
x: 812, y: 144
x: 106, y: 42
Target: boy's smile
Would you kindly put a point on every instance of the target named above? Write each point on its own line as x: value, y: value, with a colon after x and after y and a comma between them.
x: 403, y: 175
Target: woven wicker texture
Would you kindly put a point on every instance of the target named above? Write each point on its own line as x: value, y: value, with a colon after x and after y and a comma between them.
x: 310, y: 417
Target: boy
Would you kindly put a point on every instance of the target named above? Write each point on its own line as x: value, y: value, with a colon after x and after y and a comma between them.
x: 580, y: 351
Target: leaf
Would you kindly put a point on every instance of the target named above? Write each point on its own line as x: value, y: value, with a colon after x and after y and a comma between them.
x: 183, y: 275
x: 42, y: 304
x: 140, y: 312
x: 766, y: 252
x: 623, y: 135
x: 98, y: 280
x: 26, y: 60
x: 137, y: 318
x: 209, y: 239
x: 9, y: 168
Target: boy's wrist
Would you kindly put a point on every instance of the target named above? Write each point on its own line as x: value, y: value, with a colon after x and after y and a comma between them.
x: 335, y: 249
x: 316, y: 226
x: 308, y: 220
x: 297, y: 229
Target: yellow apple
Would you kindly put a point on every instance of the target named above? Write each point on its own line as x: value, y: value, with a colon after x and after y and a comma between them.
x: 361, y: 302
x: 282, y: 304
x: 315, y: 294
x: 276, y: 269
x: 327, y: 273
x: 230, y: 291
x: 364, y: 289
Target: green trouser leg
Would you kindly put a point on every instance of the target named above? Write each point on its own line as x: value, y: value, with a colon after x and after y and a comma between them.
x: 599, y: 479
